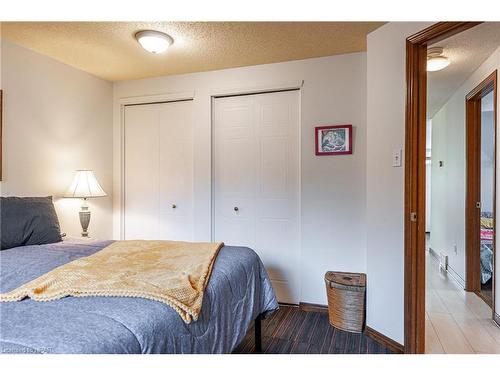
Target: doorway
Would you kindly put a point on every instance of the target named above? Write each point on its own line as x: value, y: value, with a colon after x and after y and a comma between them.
x: 415, y: 179
x: 481, y: 197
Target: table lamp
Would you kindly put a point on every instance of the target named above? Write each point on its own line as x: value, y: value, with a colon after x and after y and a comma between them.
x: 85, y: 186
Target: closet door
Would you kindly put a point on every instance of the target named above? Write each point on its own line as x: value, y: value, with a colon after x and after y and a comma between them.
x: 256, y: 182
x: 176, y: 171
x: 142, y: 180
x: 159, y: 171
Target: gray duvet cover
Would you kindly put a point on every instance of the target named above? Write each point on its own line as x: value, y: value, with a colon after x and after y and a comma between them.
x: 238, y: 291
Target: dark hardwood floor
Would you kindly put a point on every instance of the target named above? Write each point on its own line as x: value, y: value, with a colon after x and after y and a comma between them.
x: 293, y: 331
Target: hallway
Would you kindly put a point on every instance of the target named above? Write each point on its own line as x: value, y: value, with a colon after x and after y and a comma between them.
x: 456, y: 321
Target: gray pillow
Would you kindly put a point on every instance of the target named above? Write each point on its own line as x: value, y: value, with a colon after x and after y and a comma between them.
x: 28, y: 221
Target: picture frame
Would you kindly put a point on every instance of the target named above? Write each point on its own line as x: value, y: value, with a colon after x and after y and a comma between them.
x: 333, y: 140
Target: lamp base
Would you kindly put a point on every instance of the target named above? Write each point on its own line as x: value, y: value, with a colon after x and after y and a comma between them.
x: 85, y: 218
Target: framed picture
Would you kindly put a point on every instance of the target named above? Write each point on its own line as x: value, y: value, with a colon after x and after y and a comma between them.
x: 333, y: 140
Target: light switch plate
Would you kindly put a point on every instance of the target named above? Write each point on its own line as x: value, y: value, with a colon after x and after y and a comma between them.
x: 396, y: 157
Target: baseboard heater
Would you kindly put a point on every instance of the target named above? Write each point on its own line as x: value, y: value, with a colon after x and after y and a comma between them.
x: 445, y: 267
x: 443, y: 261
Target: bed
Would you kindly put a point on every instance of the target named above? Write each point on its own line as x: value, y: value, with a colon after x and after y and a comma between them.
x: 486, y: 250
x: 239, y: 292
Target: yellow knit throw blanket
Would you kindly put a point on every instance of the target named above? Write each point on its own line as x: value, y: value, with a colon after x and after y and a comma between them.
x: 175, y: 273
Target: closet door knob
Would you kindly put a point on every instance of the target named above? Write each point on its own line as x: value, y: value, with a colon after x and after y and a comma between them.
x: 174, y: 206
x: 236, y: 209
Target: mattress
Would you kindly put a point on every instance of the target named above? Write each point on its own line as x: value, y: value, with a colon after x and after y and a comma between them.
x: 486, y: 251
x: 486, y: 262
x: 238, y: 291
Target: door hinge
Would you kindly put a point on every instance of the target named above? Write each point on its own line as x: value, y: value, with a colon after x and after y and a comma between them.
x: 413, y: 216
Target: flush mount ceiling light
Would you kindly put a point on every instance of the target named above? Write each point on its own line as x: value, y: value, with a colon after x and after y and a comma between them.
x: 435, y: 59
x: 154, y: 41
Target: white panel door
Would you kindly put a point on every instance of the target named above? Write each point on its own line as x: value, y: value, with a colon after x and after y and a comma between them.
x: 142, y: 199
x: 159, y: 171
x: 256, y: 182
x: 176, y: 171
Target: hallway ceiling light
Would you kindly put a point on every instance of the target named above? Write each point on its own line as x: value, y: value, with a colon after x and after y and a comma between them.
x: 154, y: 41
x: 435, y: 59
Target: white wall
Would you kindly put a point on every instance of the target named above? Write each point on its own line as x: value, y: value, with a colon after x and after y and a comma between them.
x: 56, y: 119
x: 386, y: 92
x: 440, y: 188
x: 448, y: 185
x: 428, y: 187
x: 428, y: 176
x: 487, y: 159
x: 333, y: 188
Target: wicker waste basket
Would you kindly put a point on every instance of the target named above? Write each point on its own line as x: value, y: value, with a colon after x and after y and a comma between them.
x: 346, y: 300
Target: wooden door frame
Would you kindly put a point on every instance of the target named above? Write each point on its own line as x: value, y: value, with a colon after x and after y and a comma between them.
x: 415, y: 149
x: 473, y: 184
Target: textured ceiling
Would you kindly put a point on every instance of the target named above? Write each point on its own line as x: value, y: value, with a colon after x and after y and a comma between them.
x: 109, y: 50
x: 466, y: 51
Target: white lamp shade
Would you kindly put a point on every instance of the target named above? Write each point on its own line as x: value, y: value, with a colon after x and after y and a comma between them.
x: 85, y: 185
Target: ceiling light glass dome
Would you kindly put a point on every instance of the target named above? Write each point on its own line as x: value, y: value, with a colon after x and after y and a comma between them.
x: 154, y: 41
x: 435, y: 59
